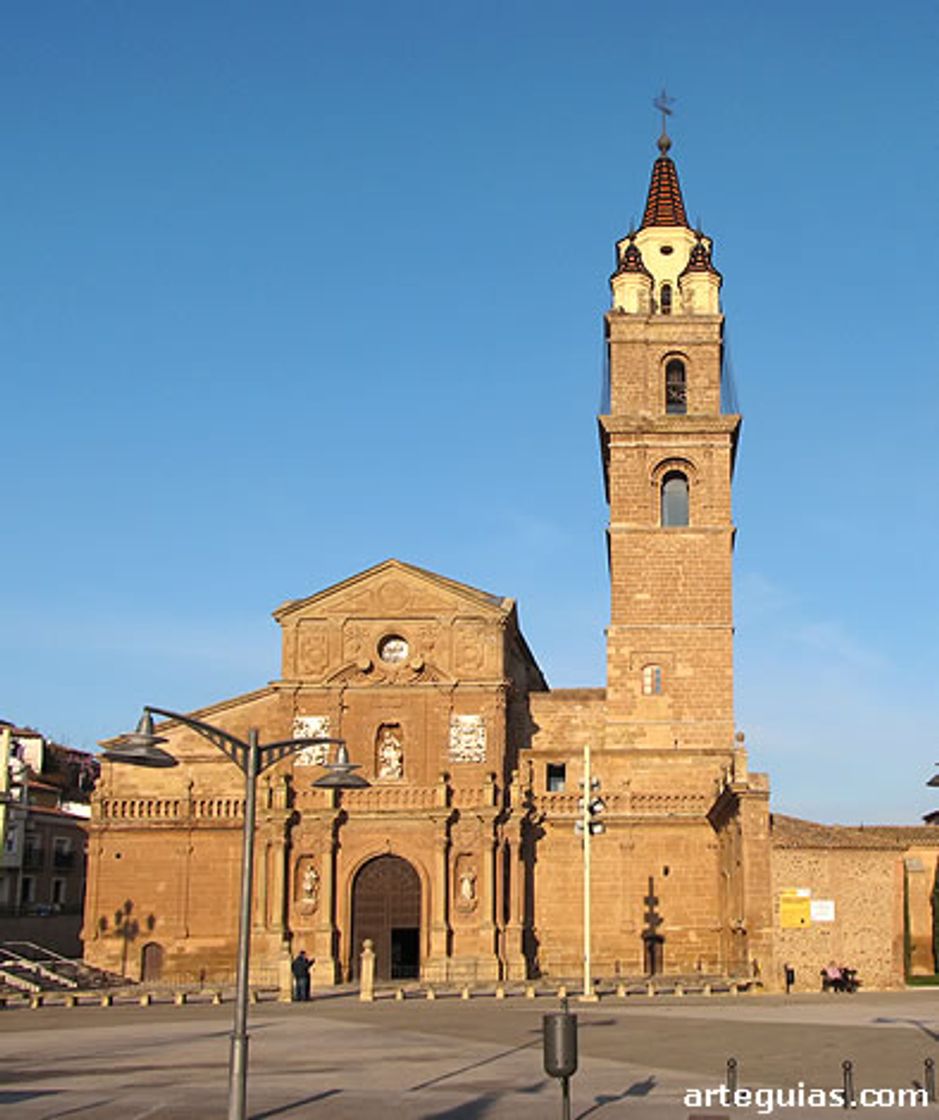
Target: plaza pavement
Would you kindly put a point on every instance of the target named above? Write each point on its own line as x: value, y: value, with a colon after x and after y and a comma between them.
x: 449, y: 1059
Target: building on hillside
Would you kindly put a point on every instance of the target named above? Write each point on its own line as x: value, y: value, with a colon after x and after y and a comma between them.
x: 45, y: 813
x: 461, y: 860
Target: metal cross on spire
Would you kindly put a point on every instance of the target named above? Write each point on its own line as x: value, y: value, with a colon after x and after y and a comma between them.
x: 664, y: 105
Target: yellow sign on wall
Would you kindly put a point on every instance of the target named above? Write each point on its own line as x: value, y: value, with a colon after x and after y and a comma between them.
x: 795, y: 908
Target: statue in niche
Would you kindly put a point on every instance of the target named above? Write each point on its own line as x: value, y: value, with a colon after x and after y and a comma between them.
x: 309, y: 889
x: 467, y: 888
x: 390, y: 753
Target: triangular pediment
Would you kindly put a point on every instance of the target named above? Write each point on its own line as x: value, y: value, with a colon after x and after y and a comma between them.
x: 394, y: 588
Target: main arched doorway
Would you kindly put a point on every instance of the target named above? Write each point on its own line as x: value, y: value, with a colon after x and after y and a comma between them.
x: 386, y: 907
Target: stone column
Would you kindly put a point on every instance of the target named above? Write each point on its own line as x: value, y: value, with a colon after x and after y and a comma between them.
x: 260, y: 900
x: 277, y: 888
x: 326, y: 966
x: 435, y: 966
x: 513, y: 950
x: 488, y: 960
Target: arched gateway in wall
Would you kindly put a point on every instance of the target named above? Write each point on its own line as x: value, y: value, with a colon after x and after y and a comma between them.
x: 386, y: 907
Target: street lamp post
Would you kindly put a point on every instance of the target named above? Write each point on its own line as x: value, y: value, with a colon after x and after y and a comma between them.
x: 140, y: 748
x: 590, y: 807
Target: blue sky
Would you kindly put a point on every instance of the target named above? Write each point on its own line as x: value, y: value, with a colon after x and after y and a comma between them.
x: 291, y: 288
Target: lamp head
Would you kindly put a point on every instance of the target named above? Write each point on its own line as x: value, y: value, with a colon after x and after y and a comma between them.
x: 340, y: 774
x: 139, y: 748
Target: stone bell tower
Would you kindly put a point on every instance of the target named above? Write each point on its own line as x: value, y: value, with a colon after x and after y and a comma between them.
x: 668, y: 442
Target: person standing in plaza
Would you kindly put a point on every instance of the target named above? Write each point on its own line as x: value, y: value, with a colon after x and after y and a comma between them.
x: 301, y: 977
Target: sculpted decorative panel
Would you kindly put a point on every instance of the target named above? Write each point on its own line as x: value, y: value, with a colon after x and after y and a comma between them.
x: 474, y: 646
x: 312, y: 646
x: 312, y: 726
x: 467, y: 739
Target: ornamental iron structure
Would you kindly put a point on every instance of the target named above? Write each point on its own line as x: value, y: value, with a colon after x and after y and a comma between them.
x: 141, y: 748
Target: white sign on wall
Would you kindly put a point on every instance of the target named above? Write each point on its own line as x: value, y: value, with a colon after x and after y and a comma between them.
x: 823, y: 909
x: 314, y: 727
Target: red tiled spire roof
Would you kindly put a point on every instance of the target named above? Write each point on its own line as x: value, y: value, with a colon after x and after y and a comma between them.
x: 700, y: 258
x: 631, y: 260
x: 664, y: 206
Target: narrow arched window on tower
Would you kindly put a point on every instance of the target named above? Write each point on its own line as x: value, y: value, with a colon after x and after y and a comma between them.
x: 665, y: 299
x: 674, y: 499
x: 676, y: 389
x: 652, y: 680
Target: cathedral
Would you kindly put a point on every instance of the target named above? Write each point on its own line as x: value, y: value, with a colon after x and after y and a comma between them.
x: 461, y: 860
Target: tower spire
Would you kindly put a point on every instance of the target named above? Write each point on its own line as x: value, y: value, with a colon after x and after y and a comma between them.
x: 664, y: 204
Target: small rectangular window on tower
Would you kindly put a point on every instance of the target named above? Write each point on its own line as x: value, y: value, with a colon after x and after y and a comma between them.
x: 652, y: 680
x: 555, y: 777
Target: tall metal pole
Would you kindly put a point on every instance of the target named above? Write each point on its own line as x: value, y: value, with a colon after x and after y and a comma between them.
x: 588, y: 980
x: 4, y: 784
x: 238, y: 1063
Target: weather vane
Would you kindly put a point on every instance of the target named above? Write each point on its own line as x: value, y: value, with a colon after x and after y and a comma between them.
x: 664, y: 105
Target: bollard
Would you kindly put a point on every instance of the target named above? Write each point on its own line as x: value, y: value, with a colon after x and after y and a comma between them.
x: 367, y: 971
x: 399, y: 993
x: 562, y: 992
x: 679, y: 988
x: 431, y: 994
x: 650, y: 989
x: 35, y: 1001
x: 529, y: 991
x: 71, y: 1000
x: 559, y: 1030
x: 179, y: 999
x: 706, y: 990
x: 621, y: 990
x: 216, y: 997
x: 107, y: 1000
x: 500, y: 991
x: 929, y: 1080
x: 731, y: 1075
x: 146, y: 999
x: 465, y: 994
x: 254, y: 996
x: 847, y: 1069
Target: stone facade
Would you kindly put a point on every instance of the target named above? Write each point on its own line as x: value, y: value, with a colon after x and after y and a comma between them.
x: 877, y: 883
x: 461, y: 861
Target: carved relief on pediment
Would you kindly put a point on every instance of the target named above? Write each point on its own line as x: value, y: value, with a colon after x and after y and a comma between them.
x: 473, y: 644
x: 367, y: 672
x: 394, y: 594
x: 355, y: 638
x: 312, y: 646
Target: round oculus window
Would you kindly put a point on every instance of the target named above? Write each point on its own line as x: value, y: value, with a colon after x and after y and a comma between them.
x: 666, y: 249
x: 393, y: 649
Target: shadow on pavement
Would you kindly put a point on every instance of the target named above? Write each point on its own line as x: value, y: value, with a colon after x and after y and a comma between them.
x: 474, y: 1065
x: 281, y: 1110
x: 637, y: 1089
x: 79, y: 1108
x: 14, y: 1096
x: 928, y: 1031
x: 469, y: 1110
